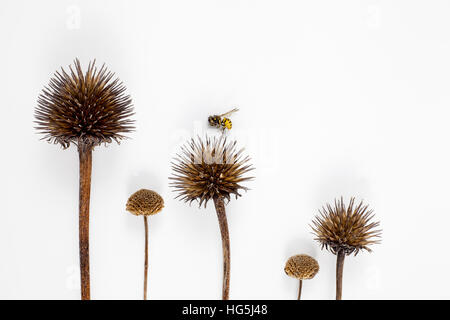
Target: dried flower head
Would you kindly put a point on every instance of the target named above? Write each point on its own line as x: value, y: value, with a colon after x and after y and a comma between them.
x: 88, y: 108
x: 301, y: 267
x: 145, y: 202
x: 209, y: 168
x: 346, y: 229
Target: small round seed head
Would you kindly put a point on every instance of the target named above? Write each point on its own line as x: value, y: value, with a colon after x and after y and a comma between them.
x: 145, y: 202
x: 346, y: 229
x: 84, y: 108
x: 301, y: 267
x: 209, y: 168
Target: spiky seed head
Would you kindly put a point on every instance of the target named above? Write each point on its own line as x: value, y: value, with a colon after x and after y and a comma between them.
x: 347, y: 229
x: 89, y: 108
x: 301, y: 267
x: 145, y: 202
x: 209, y: 168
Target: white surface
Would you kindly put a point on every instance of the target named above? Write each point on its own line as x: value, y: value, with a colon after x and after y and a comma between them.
x: 336, y: 98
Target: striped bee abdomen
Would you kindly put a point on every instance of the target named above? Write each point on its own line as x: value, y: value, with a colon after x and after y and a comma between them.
x: 226, y: 123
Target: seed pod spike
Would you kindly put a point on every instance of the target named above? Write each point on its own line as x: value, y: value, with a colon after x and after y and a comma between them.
x: 206, y: 170
x: 344, y: 230
x: 74, y: 108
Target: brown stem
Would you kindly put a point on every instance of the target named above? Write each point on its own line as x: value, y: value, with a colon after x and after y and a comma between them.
x: 223, y: 224
x: 85, y: 155
x: 146, y: 258
x: 339, y: 272
x: 299, y: 289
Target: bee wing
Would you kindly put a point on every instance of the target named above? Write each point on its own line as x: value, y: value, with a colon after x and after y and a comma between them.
x: 229, y: 112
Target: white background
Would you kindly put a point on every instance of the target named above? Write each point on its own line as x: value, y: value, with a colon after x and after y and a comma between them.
x: 336, y: 98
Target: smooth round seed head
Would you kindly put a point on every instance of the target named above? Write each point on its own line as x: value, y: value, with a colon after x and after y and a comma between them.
x: 301, y: 267
x: 145, y: 202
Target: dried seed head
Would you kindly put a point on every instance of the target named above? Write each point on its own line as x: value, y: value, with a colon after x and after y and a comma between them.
x: 346, y: 229
x: 209, y: 168
x: 145, y: 202
x: 88, y: 108
x: 301, y: 267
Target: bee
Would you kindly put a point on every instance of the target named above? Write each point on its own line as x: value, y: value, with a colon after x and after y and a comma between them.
x: 221, y: 121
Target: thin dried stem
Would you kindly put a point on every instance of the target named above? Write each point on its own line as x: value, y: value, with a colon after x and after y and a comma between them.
x: 146, y: 258
x: 223, y: 225
x: 299, y: 289
x: 85, y: 156
x: 339, y: 273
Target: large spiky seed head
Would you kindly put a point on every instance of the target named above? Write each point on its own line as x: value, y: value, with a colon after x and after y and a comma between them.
x: 347, y: 229
x: 88, y: 108
x: 301, y: 267
x: 209, y: 168
x: 145, y: 202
